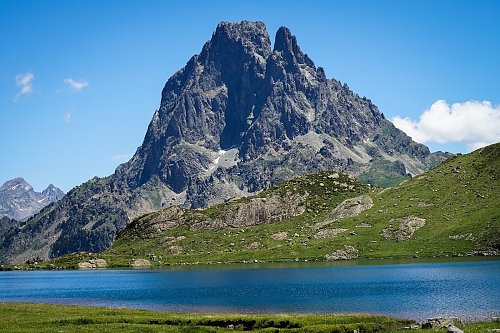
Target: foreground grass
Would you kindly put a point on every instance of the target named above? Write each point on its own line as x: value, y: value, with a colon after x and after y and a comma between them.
x: 24, y: 317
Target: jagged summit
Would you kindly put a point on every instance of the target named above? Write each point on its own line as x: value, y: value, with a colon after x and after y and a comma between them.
x: 286, y: 44
x: 238, y: 94
x: 19, y: 201
x: 239, y: 117
x: 16, y: 183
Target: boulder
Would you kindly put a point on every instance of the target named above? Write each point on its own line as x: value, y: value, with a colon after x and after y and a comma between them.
x: 138, y: 263
x: 93, y: 264
x: 349, y: 252
x: 441, y: 323
x: 407, y: 227
x: 453, y: 329
x: 348, y: 208
x: 328, y: 233
x: 280, y: 235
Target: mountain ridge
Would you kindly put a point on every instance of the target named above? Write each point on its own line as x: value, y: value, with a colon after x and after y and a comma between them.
x: 240, y: 117
x: 19, y: 201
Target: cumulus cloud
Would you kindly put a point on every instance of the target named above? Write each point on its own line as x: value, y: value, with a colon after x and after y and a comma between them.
x: 76, y: 85
x: 120, y: 158
x: 25, y: 82
x: 475, y: 124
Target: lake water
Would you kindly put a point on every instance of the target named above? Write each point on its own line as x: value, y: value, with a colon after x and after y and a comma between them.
x: 469, y: 290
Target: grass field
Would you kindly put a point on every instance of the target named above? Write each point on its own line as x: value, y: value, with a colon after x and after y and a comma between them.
x: 26, y: 318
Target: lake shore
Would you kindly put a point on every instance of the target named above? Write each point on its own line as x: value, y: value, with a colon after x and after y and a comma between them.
x: 72, y: 262
x: 29, y: 317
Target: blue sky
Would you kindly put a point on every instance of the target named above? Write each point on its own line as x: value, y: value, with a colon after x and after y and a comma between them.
x: 80, y: 80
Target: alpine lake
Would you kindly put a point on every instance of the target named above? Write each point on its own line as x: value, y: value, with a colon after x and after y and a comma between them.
x: 467, y: 288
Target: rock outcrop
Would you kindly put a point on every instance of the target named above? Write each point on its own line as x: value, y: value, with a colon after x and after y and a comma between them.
x: 347, y: 253
x: 92, y: 264
x: 405, y: 230
x: 351, y: 207
x: 141, y: 263
x: 329, y: 233
x: 257, y: 211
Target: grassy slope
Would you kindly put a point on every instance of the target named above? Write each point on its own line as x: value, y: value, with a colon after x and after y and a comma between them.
x: 458, y: 199
x: 230, y: 245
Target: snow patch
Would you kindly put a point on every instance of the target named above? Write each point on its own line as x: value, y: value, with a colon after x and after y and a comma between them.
x: 223, y: 158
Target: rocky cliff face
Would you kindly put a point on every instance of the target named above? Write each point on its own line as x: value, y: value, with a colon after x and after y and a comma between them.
x: 19, y: 201
x: 238, y: 118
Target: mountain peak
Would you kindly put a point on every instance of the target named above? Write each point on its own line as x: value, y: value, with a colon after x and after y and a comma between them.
x: 250, y: 37
x: 16, y: 184
x: 237, y: 29
x: 19, y: 201
x: 284, y: 39
x: 53, y: 193
x: 286, y: 44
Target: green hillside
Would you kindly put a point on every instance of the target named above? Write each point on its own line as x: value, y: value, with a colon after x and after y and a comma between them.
x: 452, y: 210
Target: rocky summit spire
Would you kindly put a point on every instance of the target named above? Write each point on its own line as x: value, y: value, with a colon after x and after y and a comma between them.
x: 286, y: 44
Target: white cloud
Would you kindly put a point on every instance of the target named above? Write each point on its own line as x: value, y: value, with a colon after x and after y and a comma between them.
x: 68, y: 118
x: 120, y: 158
x: 76, y: 85
x: 475, y: 124
x: 25, y: 82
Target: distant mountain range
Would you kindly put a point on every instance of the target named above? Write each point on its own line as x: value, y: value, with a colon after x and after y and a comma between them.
x: 240, y: 117
x: 19, y: 201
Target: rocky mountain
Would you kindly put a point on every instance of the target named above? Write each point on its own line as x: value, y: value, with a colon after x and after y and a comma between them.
x: 238, y: 118
x: 19, y: 201
x: 5, y: 224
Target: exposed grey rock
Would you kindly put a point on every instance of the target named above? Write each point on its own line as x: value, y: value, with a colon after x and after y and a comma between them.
x: 19, y: 201
x: 166, y: 220
x: 139, y: 263
x: 257, y: 211
x: 349, y: 252
x: 93, y: 264
x: 329, y: 233
x: 253, y: 245
x: 453, y: 329
x: 174, y: 250
x: 280, y: 235
x: 348, y: 208
x: 407, y: 227
x: 238, y: 118
x: 441, y: 322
